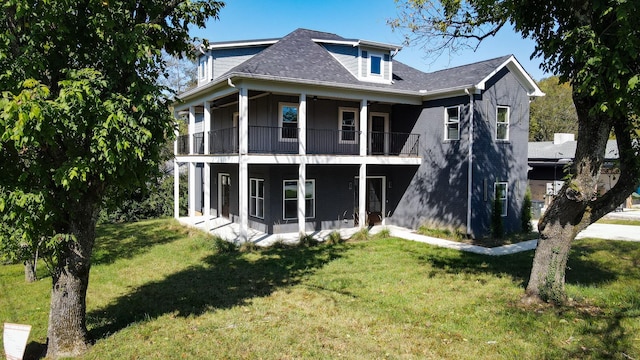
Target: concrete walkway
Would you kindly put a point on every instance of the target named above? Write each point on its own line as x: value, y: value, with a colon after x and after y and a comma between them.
x: 230, y: 232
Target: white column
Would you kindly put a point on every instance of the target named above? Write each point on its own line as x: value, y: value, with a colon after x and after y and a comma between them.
x: 192, y: 128
x: 363, y: 127
x: 207, y: 125
x: 362, y: 180
x: 176, y: 189
x: 243, y: 166
x: 207, y: 167
x: 302, y: 167
x: 192, y: 189
x: 176, y: 174
x: 362, y: 196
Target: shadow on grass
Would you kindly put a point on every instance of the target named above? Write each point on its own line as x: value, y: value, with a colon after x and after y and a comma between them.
x: 584, y: 266
x: 125, y: 241
x: 222, y: 281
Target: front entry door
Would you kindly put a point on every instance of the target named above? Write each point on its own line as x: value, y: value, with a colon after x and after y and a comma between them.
x: 375, y: 200
x: 224, y: 194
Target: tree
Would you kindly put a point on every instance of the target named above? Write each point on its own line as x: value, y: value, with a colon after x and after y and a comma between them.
x: 554, y: 112
x: 593, y: 45
x: 82, y: 118
x: 180, y: 74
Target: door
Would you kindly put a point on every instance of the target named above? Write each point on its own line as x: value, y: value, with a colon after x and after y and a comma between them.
x: 375, y: 199
x: 379, y: 134
x: 224, y: 194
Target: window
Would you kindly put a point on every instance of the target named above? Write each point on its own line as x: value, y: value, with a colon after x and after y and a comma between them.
x: 502, y: 123
x: 288, y: 122
x: 348, y: 125
x: 290, y: 199
x: 375, y: 67
x: 452, y: 123
x: 256, y: 198
x: 501, y: 190
x: 202, y: 67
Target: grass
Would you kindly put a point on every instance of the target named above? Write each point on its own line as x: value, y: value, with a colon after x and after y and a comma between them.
x: 459, y: 236
x: 619, y: 222
x: 158, y: 290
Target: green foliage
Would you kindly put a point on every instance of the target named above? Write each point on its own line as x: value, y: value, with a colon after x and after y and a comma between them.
x: 334, y: 238
x: 361, y: 235
x: 525, y: 215
x: 307, y: 240
x: 222, y: 246
x: 554, y: 112
x: 455, y: 235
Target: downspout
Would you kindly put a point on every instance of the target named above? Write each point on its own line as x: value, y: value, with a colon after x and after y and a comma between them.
x: 470, y: 163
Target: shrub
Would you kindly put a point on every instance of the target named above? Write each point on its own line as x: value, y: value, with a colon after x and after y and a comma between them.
x: 361, y: 235
x: 307, y: 240
x: 222, y: 246
x: 497, y: 228
x: 334, y: 238
x: 525, y: 216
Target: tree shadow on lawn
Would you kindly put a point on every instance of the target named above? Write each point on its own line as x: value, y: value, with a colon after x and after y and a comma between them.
x: 222, y: 281
x: 125, y: 241
x: 582, y: 267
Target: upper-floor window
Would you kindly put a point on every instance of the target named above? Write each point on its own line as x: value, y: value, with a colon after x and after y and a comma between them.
x: 348, y: 118
x: 501, y: 190
x: 502, y: 123
x: 288, y: 121
x: 375, y: 62
x: 202, y: 67
x: 452, y: 123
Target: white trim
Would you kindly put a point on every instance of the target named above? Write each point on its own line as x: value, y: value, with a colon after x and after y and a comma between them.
x: 447, y: 121
x: 514, y: 66
x: 293, y: 159
x: 226, y: 45
x: 355, y: 43
x: 281, y: 106
x: 356, y: 120
x: 385, y: 131
x: 505, y: 200
x: 313, y: 193
x: 508, y: 122
x: 257, y: 197
x: 220, y: 175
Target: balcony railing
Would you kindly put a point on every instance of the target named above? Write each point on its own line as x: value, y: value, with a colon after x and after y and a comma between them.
x: 223, y: 141
x: 183, y: 145
x: 284, y: 140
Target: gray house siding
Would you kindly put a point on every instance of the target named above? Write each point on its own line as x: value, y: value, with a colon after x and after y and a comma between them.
x: 346, y: 55
x: 442, y: 176
x: 226, y: 59
x: 497, y: 161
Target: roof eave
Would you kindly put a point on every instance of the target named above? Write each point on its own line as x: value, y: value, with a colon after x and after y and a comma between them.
x: 514, y: 66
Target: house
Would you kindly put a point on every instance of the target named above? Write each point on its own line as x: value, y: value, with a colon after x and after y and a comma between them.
x: 549, y: 162
x: 315, y: 131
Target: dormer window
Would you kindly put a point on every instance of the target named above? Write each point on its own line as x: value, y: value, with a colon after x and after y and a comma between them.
x: 202, y: 67
x: 375, y: 65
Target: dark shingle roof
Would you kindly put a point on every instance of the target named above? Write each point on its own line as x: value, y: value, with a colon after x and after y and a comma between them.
x: 299, y: 58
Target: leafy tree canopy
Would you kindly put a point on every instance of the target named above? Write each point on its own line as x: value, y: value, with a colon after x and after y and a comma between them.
x: 82, y: 117
x: 554, y: 112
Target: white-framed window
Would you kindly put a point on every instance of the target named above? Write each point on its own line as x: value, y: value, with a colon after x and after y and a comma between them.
x: 348, y: 125
x: 452, y: 123
x: 290, y: 199
x: 288, y: 121
x: 256, y: 198
x: 376, y: 65
x: 502, y: 123
x: 501, y: 193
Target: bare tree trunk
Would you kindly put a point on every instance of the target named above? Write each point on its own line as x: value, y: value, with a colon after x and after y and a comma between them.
x: 67, y: 333
x: 30, y: 271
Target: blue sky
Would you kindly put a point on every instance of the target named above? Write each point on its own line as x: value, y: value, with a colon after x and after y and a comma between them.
x: 360, y: 19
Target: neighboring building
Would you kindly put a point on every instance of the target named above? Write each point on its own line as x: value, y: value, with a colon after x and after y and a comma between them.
x: 338, y: 126
x: 549, y: 162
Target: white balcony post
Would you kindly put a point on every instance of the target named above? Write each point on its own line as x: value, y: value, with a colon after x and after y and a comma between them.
x: 192, y: 129
x: 176, y: 189
x: 302, y: 167
x: 243, y: 166
x: 363, y: 127
x: 362, y: 196
x: 192, y: 189
x: 207, y: 126
x: 207, y: 167
x: 362, y: 180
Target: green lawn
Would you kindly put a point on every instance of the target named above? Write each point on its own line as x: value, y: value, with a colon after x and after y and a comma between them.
x: 158, y: 290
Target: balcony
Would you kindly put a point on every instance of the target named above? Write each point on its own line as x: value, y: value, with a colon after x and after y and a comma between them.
x: 284, y: 140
